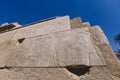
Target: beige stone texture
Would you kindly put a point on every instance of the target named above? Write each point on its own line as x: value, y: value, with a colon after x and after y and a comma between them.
x: 57, y: 49
x: 36, y: 74
x: 86, y: 24
x: 72, y: 47
x: 97, y: 73
x: 40, y: 28
x: 76, y: 23
x: 93, y: 73
x: 102, y: 46
x: 7, y: 36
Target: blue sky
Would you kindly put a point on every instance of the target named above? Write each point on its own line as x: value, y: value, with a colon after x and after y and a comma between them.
x: 105, y: 13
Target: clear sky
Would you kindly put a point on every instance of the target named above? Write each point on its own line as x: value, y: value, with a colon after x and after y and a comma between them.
x: 105, y: 13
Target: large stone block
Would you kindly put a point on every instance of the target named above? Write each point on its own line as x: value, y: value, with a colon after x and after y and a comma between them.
x: 92, y: 73
x: 36, y: 74
x: 99, y: 32
x: 72, y: 47
x: 102, y: 46
x: 7, y: 36
x: 86, y: 24
x: 36, y: 29
x: 76, y: 23
x: 97, y: 73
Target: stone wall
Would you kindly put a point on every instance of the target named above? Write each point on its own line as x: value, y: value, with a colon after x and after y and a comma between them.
x: 57, y: 49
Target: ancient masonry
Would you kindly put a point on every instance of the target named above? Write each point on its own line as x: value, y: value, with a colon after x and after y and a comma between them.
x: 56, y: 49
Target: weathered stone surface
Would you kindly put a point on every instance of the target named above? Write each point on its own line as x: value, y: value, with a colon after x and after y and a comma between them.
x: 102, y: 38
x: 86, y: 24
x: 40, y: 28
x: 93, y: 73
x: 6, y: 50
x: 7, y: 36
x: 97, y: 73
x: 114, y: 70
x: 76, y: 23
x: 51, y: 50
x: 16, y: 24
x: 36, y: 74
x: 72, y: 47
x: 102, y: 46
x: 115, y: 78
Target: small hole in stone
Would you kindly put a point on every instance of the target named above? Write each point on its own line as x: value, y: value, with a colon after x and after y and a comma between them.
x: 21, y: 40
x: 78, y: 70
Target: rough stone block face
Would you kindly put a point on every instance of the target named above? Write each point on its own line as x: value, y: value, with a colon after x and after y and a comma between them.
x: 98, y: 31
x: 36, y: 74
x: 76, y: 23
x: 72, y: 47
x: 57, y: 49
x: 86, y: 24
x: 97, y: 73
x: 7, y: 36
x: 93, y: 73
x: 40, y: 28
x: 102, y: 46
x: 114, y: 70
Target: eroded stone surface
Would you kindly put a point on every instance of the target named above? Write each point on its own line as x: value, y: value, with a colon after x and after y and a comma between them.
x: 36, y: 74
x: 97, y: 73
x: 72, y: 47
x: 86, y: 24
x: 76, y: 23
x: 94, y: 73
x: 102, y: 46
x: 54, y: 25
x: 41, y: 51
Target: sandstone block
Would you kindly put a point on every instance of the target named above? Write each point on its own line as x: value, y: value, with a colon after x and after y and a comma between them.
x: 36, y: 29
x: 76, y: 23
x: 60, y: 49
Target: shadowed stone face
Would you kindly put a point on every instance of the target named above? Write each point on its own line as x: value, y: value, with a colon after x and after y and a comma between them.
x: 76, y: 23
